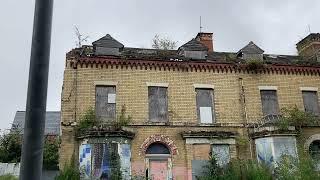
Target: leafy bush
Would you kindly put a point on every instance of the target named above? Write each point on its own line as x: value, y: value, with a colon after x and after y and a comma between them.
x: 293, y: 116
x: 245, y: 169
x: 123, y: 119
x: 254, y: 65
x: 69, y: 172
x: 10, y: 147
x: 8, y: 177
x: 88, y: 120
x: 10, y: 150
x: 296, y: 168
x: 51, y: 154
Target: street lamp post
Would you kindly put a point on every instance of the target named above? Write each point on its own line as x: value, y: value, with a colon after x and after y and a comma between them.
x: 33, y: 137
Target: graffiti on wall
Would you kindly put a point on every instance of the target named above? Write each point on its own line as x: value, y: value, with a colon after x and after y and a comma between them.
x: 85, y: 160
x: 102, y: 160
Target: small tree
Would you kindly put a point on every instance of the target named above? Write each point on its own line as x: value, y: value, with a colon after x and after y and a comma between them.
x: 163, y: 43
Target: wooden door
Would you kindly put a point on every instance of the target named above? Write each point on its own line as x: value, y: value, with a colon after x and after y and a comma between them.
x: 158, y: 169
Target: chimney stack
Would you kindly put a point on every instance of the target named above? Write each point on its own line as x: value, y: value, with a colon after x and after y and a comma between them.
x: 205, y: 39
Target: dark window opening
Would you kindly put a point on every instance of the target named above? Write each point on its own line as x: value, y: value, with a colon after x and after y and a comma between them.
x: 269, y: 100
x: 314, y: 150
x: 157, y: 148
x: 158, y: 104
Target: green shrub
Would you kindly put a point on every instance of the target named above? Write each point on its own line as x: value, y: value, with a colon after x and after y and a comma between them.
x: 293, y: 116
x: 69, y: 172
x: 254, y: 65
x: 10, y: 147
x: 301, y: 168
x: 245, y: 169
x: 88, y: 120
x: 123, y: 119
x: 51, y: 154
x: 8, y: 177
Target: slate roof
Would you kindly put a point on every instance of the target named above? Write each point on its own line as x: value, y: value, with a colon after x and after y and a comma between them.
x: 193, y: 45
x: 108, y: 41
x: 251, y: 48
x: 52, y: 124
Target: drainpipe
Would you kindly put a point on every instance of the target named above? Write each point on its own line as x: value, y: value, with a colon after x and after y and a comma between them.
x: 245, y: 115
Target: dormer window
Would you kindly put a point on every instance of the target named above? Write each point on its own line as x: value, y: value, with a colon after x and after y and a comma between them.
x: 193, y: 50
x: 107, y: 46
x: 251, y: 52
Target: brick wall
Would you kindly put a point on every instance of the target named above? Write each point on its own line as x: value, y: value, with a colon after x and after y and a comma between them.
x: 78, y: 95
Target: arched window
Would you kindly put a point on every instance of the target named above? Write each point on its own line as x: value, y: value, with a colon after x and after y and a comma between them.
x: 314, y: 150
x: 157, y: 148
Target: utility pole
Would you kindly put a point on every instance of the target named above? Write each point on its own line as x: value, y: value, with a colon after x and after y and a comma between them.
x: 33, y: 136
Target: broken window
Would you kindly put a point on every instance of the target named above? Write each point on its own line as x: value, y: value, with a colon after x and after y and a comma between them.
x: 222, y: 154
x: 314, y: 150
x: 310, y: 102
x: 269, y: 102
x: 205, y: 110
x: 158, y: 104
x: 270, y: 149
x: 106, y: 103
x: 104, y: 161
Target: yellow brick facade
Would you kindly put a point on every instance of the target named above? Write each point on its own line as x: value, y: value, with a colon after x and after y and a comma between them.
x: 231, y: 113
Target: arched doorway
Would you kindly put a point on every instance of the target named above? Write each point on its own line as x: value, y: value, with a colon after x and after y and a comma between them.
x: 314, y: 150
x: 158, y: 161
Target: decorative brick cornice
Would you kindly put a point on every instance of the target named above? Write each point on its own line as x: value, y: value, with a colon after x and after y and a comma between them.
x: 167, y: 65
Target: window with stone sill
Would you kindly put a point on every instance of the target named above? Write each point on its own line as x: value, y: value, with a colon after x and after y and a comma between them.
x: 205, y: 108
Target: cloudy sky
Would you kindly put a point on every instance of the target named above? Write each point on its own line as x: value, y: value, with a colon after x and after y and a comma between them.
x: 275, y: 25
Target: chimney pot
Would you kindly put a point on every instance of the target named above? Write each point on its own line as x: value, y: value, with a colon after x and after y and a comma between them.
x: 205, y: 39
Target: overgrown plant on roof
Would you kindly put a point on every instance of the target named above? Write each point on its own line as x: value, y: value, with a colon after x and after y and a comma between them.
x: 293, y: 116
x: 88, y: 120
x: 163, y: 43
x: 123, y: 119
x: 254, y: 65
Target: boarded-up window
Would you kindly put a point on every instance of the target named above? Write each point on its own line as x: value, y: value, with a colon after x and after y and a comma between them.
x: 269, y: 102
x: 222, y: 154
x: 158, y: 104
x: 106, y: 103
x: 310, y: 101
x: 205, y: 108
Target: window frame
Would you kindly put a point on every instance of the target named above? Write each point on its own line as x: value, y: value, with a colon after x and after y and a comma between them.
x: 106, y: 119
x: 263, y: 103
x: 157, y: 119
x: 213, y: 113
